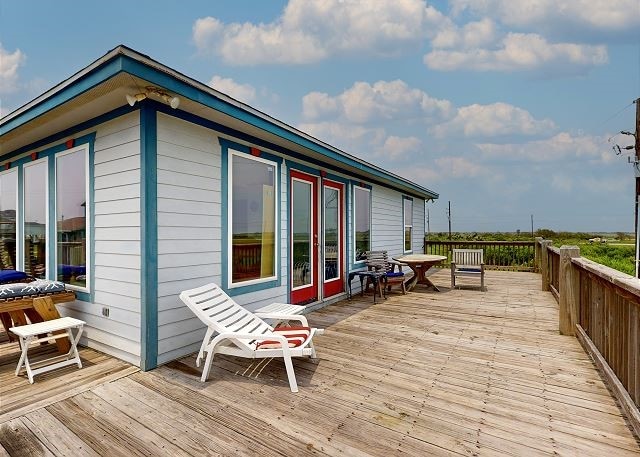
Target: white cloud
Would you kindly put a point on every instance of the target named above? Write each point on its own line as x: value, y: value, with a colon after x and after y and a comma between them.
x: 10, y: 62
x: 244, y: 92
x: 492, y: 120
x: 520, y: 52
x: 460, y: 167
x: 559, y: 17
x: 364, y: 142
x: 383, y: 101
x: 560, y: 146
x: 471, y: 35
x: 397, y: 147
x: 311, y: 30
x: 561, y: 182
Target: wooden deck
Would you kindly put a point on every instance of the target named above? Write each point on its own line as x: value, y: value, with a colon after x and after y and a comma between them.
x: 453, y: 373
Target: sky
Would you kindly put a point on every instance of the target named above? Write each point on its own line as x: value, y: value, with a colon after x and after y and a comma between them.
x: 506, y: 108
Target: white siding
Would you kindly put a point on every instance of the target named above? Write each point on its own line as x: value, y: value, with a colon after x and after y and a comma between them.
x: 386, y: 220
x: 190, y: 232
x: 189, y: 228
x: 117, y: 243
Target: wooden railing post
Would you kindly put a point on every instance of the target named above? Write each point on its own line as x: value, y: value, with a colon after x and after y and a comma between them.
x: 569, y: 291
x: 544, y: 264
x: 537, y: 254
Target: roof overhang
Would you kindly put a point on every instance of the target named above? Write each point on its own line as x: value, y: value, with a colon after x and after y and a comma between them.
x: 102, y: 86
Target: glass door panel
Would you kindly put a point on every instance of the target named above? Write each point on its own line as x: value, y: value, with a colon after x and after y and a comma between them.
x: 303, y: 238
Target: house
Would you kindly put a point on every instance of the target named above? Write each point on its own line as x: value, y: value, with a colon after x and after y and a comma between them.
x: 132, y: 182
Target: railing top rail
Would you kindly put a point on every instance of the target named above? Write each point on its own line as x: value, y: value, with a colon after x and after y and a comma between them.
x: 617, y: 278
x: 484, y: 243
x: 554, y: 249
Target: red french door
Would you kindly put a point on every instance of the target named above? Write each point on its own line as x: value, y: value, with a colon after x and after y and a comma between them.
x: 303, y: 229
x: 332, y: 238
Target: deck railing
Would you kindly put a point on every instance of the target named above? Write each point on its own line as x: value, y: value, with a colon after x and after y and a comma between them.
x: 553, y: 259
x: 498, y: 255
x: 601, y: 307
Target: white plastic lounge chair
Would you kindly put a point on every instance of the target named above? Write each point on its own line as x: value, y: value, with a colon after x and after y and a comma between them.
x: 233, y: 330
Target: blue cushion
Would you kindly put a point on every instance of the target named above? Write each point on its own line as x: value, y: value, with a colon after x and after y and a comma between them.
x: 12, y: 275
x: 469, y: 269
x: 18, y: 289
x: 21, y: 289
x: 47, y: 287
x: 394, y: 274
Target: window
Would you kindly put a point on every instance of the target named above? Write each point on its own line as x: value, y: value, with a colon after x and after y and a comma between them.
x: 361, y: 222
x: 72, y: 227
x: 8, y: 212
x: 331, y: 233
x: 35, y: 218
x: 407, y: 209
x: 252, y: 219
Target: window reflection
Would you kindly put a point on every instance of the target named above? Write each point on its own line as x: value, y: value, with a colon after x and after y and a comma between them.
x: 301, y: 221
x: 253, y: 218
x: 8, y: 207
x: 35, y: 214
x: 331, y: 233
x: 362, y: 222
x: 71, y: 218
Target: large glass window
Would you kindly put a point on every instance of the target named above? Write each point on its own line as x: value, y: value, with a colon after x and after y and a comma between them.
x: 71, y: 217
x: 8, y: 211
x: 331, y: 233
x: 35, y: 219
x: 407, y: 208
x: 301, y: 193
x: 361, y: 222
x: 252, y: 216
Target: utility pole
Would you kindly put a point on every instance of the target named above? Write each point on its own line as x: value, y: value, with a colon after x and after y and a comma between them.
x: 532, y: 226
x: 449, y: 217
x: 637, y: 172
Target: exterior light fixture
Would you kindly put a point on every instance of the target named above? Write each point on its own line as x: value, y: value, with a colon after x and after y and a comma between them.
x: 173, y: 102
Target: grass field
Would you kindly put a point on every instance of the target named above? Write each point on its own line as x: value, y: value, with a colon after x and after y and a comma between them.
x: 618, y: 252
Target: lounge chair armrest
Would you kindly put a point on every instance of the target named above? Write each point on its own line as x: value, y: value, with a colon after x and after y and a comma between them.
x: 284, y: 317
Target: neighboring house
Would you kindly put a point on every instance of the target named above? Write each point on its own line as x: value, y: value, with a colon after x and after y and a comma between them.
x: 139, y: 201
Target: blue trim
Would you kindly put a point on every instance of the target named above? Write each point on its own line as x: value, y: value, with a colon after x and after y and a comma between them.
x: 239, y: 290
x: 219, y: 128
x: 149, y: 236
x: 70, y: 131
x: 88, y: 81
x: 156, y: 76
x: 291, y: 165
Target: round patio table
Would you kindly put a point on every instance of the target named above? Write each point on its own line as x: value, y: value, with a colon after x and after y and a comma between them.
x: 420, y: 264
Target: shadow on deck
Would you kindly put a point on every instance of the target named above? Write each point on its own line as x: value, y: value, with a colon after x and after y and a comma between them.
x: 461, y: 372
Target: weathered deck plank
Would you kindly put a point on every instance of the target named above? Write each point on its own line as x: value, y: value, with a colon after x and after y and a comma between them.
x: 457, y: 373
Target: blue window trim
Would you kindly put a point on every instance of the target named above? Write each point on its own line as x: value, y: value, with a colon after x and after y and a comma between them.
x: 50, y: 154
x: 225, y: 145
x: 352, y: 255
x: 149, y: 236
x: 410, y: 251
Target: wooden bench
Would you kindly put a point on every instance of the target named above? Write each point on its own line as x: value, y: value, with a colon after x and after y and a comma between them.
x: 28, y: 334
x: 467, y: 263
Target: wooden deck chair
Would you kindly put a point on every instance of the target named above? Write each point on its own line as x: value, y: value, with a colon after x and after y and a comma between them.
x: 233, y: 330
x: 379, y: 261
x: 467, y: 263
